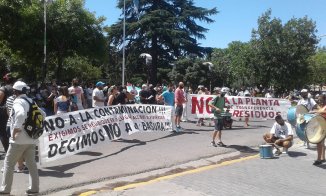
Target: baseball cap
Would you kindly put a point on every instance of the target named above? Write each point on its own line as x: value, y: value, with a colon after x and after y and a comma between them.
x: 304, y: 90
x: 217, y: 89
x: 19, y: 86
x: 100, y: 83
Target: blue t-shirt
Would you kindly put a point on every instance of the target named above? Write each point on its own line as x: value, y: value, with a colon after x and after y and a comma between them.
x: 168, y: 97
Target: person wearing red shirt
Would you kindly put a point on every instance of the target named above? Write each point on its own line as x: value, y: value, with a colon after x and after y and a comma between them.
x: 179, y: 100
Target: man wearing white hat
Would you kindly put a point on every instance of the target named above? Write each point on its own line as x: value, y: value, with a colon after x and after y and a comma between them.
x: 21, y: 144
x: 309, y: 103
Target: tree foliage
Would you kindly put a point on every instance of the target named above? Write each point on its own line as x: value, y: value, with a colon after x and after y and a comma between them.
x: 166, y: 29
x: 71, y: 30
x: 282, y: 51
x: 318, y: 68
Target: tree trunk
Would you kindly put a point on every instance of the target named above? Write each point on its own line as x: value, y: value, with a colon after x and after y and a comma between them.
x: 60, y: 65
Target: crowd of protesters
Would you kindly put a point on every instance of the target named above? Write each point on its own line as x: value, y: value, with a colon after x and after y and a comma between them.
x: 57, y: 98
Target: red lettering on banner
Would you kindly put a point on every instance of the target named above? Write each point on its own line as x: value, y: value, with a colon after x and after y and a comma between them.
x: 227, y: 101
x: 258, y: 102
x: 241, y: 113
x: 271, y: 114
x: 252, y: 102
x: 234, y: 102
x: 276, y: 103
x: 278, y: 113
x: 240, y: 101
x: 264, y: 115
x: 208, y: 109
x: 257, y: 114
x: 264, y: 102
x: 247, y: 114
x: 235, y: 113
x: 270, y: 102
x: 247, y: 100
x: 195, y: 104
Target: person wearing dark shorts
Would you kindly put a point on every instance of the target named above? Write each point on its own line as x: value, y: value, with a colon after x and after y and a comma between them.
x: 179, y: 100
x: 217, y: 105
x: 178, y: 110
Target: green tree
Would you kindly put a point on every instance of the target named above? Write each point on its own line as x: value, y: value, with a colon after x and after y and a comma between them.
x: 71, y: 30
x: 282, y: 51
x: 318, y: 68
x: 74, y: 30
x: 221, y: 73
x: 166, y: 29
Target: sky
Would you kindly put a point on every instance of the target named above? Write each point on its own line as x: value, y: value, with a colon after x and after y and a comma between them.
x: 236, y: 18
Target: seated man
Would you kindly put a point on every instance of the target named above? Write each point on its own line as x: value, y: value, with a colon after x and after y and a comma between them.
x: 281, y: 135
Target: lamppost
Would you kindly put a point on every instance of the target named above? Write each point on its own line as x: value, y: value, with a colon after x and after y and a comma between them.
x: 124, y: 44
x: 148, y: 61
x: 210, y: 66
x: 44, y: 41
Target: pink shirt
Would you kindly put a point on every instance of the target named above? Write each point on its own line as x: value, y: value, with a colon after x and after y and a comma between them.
x: 179, y: 97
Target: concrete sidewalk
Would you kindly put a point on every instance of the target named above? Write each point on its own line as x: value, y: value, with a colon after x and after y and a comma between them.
x: 287, y: 175
x: 143, y: 153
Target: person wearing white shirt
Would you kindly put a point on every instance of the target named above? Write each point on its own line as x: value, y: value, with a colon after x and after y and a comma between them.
x: 309, y: 103
x: 98, y: 95
x: 281, y: 135
x: 21, y: 144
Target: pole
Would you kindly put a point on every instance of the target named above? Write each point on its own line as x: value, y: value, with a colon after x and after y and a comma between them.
x: 124, y: 43
x: 44, y: 50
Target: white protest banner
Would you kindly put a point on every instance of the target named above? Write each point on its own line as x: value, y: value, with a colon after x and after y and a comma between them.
x: 252, y: 107
x: 70, y: 133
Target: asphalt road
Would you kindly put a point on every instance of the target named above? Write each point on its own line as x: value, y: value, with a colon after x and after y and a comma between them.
x: 140, y: 154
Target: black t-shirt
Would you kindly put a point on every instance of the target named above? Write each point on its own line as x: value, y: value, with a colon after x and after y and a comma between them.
x: 152, y: 95
x: 121, y: 98
x: 144, y: 94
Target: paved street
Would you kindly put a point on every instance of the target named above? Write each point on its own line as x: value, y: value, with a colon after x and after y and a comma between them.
x: 291, y: 174
x: 143, y: 157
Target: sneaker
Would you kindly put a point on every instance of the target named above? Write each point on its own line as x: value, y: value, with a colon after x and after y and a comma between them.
x: 30, y: 192
x: 178, y: 126
x: 276, y: 152
x: 285, y: 151
x: 318, y: 162
x: 22, y: 169
x: 221, y: 144
x: 213, y: 144
x: 4, y: 193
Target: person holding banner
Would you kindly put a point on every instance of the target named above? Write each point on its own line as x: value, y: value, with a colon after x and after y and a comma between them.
x: 281, y: 135
x: 217, y: 105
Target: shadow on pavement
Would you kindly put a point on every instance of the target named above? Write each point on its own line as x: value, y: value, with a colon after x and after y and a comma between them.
x: 90, y: 153
x: 55, y: 173
x: 321, y: 166
x: 243, y: 149
x: 58, y: 171
x: 296, y: 154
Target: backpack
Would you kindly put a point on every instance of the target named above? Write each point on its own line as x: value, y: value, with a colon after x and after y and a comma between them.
x: 35, y: 120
